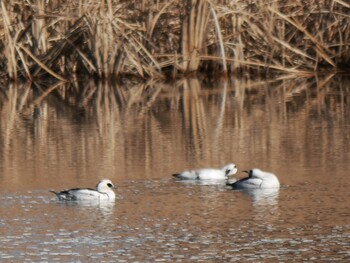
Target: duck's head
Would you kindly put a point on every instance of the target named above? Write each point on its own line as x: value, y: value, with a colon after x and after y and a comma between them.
x: 230, y: 169
x: 104, y: 185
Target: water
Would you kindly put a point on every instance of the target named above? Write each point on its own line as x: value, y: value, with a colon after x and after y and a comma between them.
x: 139, y: 135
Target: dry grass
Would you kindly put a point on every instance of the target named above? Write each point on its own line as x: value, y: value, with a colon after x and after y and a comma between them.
x: 147, y: 39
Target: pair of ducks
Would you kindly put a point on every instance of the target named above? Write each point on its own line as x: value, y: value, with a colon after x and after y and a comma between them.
x: 257, y: 179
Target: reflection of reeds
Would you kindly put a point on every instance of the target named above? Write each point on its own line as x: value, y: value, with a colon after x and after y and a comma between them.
x: 108, y: 128
x: 147, y: 39
x: 195, y: 123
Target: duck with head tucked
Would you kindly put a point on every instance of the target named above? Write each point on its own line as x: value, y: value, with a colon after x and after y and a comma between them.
x: 257, y: 179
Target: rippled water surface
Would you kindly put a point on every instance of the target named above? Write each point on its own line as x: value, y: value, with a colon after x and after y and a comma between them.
x: 139, y: 135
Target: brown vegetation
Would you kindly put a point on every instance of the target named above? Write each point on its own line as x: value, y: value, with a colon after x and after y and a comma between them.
x: 160, y: 39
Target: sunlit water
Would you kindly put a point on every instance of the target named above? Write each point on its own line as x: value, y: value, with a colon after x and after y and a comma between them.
x: 138, y: 136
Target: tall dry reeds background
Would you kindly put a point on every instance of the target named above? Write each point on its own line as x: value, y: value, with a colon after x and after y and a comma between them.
x: 160, y: 39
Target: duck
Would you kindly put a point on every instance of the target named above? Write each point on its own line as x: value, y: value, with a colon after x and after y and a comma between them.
x: 257, y: 179
x: 208, y: 173
x: 103, y: 191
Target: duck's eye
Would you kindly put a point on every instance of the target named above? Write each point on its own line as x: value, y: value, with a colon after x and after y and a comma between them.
x: 109, y: 185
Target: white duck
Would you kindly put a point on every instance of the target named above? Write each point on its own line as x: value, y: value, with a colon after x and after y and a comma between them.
x: 208, y: 173
x: 256, y: 179
x: 103, y: 191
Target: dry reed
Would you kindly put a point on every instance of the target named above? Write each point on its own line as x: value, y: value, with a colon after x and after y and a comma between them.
x: 147, y: 39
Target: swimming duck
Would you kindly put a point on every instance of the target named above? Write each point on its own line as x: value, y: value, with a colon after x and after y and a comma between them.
x: 208, y: 173
x: 103, y: 191
x: 257, y: 179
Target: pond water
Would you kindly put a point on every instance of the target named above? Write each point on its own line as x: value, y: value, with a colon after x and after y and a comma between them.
x: 63, y: 136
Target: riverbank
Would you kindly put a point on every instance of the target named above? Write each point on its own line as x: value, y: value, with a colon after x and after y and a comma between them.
x: 166, y: 39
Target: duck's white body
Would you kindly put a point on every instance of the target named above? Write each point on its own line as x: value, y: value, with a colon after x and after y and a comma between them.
x: 257, y: 179
x: 208, y: 173
x: 103, y: 191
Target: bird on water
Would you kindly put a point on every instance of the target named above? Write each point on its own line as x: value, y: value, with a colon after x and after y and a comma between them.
x: 208, y: 173
x: 103, y: 191
x: 257, y: 179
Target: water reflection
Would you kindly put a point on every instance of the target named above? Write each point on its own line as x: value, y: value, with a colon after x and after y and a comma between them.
x: 139, y: 134
x: 263, y: 197
x: 102, y: 207
x: 134, y: 128
x: 264, y: 203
